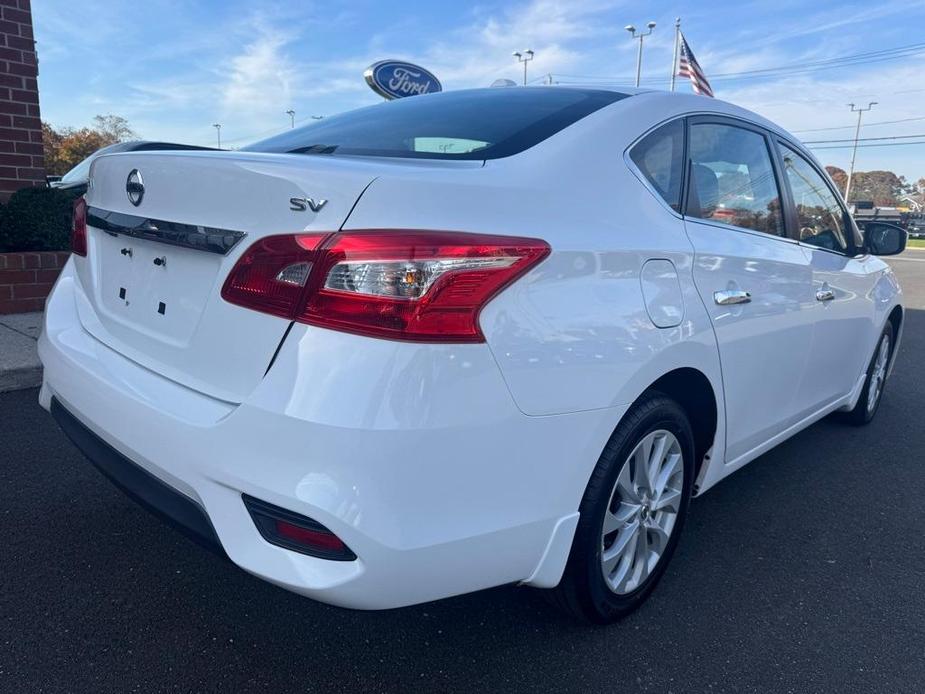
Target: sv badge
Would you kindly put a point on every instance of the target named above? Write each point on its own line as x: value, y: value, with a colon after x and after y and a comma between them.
x: 302, y: 204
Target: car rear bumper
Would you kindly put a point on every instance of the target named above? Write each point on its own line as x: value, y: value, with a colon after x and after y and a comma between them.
x: 414, y: 455
x: 146, y: 489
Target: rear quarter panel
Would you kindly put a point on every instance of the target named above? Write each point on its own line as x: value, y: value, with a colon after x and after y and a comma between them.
x: 574, y: 333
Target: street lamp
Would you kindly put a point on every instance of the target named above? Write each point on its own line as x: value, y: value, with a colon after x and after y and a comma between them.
x: 632, y: 30
x: 524, y: 58
x: 218, y: 133
x: 291, y: 118
x: 857, y: 132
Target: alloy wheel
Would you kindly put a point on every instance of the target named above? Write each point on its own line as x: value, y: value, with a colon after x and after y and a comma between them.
x: 878, y: 374
x: 642, y: 512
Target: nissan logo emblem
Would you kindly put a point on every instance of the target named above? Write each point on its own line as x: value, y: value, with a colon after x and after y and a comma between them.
x: 135, y: 187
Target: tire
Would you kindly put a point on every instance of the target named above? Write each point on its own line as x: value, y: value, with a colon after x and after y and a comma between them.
x: 612, y: 494
x: 867, y: 405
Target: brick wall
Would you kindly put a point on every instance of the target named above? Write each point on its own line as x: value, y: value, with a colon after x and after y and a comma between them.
x: 21, y: 159
x: 27, y: 278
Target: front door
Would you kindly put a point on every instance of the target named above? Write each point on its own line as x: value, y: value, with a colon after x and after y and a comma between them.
x: 844, y: 333
x: 755, y: 282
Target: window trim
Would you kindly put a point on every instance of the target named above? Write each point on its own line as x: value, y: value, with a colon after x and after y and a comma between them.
x: 637, y: 172
x: 852, y: 249
x: 773, y: 154
x: 772, y: 137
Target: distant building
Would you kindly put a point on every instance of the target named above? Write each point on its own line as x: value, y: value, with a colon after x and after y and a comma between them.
x: 22, y: 161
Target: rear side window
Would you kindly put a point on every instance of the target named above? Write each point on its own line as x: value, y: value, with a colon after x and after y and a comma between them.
x: 732, y: 180
x: 659, y: 156
x: 467, y: 124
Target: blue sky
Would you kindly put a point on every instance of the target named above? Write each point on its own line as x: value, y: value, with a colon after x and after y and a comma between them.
x: 174, y: 67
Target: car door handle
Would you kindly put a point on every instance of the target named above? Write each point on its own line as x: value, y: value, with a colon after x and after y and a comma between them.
x: 825, y: 295
x: 728, y: 297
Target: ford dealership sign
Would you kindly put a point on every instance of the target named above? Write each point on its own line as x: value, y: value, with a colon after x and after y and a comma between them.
x: 395, y: 79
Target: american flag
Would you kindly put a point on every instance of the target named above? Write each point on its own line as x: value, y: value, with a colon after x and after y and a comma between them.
x: 689, y: 67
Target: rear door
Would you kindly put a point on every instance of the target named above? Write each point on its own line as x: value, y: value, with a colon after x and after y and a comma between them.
x: 843, y: 329
x: 754, y: 281
x: 165, y: 229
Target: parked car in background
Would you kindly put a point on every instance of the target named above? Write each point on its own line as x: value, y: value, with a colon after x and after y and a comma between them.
x: 916, y: 227
x: 75, y: 180
x: 464, y: 339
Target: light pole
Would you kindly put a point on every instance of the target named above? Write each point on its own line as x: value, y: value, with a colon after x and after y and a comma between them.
x: 218, y: 133
x: 677, y: 49
x: 524, y: 58
x: 854, y: 151
x: 291, y: 118
x: 632, y: 30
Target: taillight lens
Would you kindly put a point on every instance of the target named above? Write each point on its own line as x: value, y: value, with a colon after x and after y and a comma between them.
x: 426, y: 286
x: 79, y: 227
x: 272, y: 274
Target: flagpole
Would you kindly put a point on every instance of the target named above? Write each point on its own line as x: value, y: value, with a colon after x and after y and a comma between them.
x: 677, y: 43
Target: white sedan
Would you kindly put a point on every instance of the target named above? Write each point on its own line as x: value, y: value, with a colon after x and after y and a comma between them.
x: 464, y: 339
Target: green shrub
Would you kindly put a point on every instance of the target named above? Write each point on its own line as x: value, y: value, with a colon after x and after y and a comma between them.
x: 37, y: 219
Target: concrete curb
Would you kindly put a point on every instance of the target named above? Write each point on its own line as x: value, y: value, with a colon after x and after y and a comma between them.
x: 20, y: 379
x: 20, y: 367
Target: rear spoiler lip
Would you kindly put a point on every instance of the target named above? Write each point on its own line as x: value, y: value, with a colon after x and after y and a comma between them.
x: 193, y: 236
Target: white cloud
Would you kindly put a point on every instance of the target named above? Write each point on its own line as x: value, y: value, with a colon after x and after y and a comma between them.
x: 260, y: 79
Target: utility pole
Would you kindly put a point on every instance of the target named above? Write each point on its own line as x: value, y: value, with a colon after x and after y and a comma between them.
x: 218, y: 133
x: 854, y: 151
x: 291, y: 118
x: 632, y: 30
x: 677, y: 49
x: 524, y: 58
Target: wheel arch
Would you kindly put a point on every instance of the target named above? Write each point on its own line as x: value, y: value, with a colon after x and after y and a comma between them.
x: 694, y: 392
x: 895, y: 318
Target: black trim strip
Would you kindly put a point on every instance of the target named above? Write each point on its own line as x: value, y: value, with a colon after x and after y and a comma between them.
x: 138, y: 484
x: 200, y: 238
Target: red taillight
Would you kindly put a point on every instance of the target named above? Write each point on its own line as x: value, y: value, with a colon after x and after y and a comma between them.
x: 272, y: 274
x: 426, y: 286
x: 79, y: 227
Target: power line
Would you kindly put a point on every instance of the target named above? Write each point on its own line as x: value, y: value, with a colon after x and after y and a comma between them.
x: 867, y: 125
x: 788, y: 69
x: 861, y: 139
x: 879, y: 144
x: 899, y: 51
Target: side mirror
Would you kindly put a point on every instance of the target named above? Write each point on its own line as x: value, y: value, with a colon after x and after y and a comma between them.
x: 881, y: 238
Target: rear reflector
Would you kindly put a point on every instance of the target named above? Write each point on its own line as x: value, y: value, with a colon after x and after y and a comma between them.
x: 79, y: 227
x: 426, y: 286
x: 294, y: 532
x: 305, y: 537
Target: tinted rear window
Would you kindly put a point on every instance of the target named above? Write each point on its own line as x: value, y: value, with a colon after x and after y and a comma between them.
x: 469, y: 124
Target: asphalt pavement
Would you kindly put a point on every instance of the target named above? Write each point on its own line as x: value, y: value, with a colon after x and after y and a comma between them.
x: 803, y: 572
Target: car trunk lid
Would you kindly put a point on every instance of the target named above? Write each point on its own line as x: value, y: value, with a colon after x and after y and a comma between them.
x: 155, y: 269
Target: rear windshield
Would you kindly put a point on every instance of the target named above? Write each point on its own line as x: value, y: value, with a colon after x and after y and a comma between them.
x: 468, y: 124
